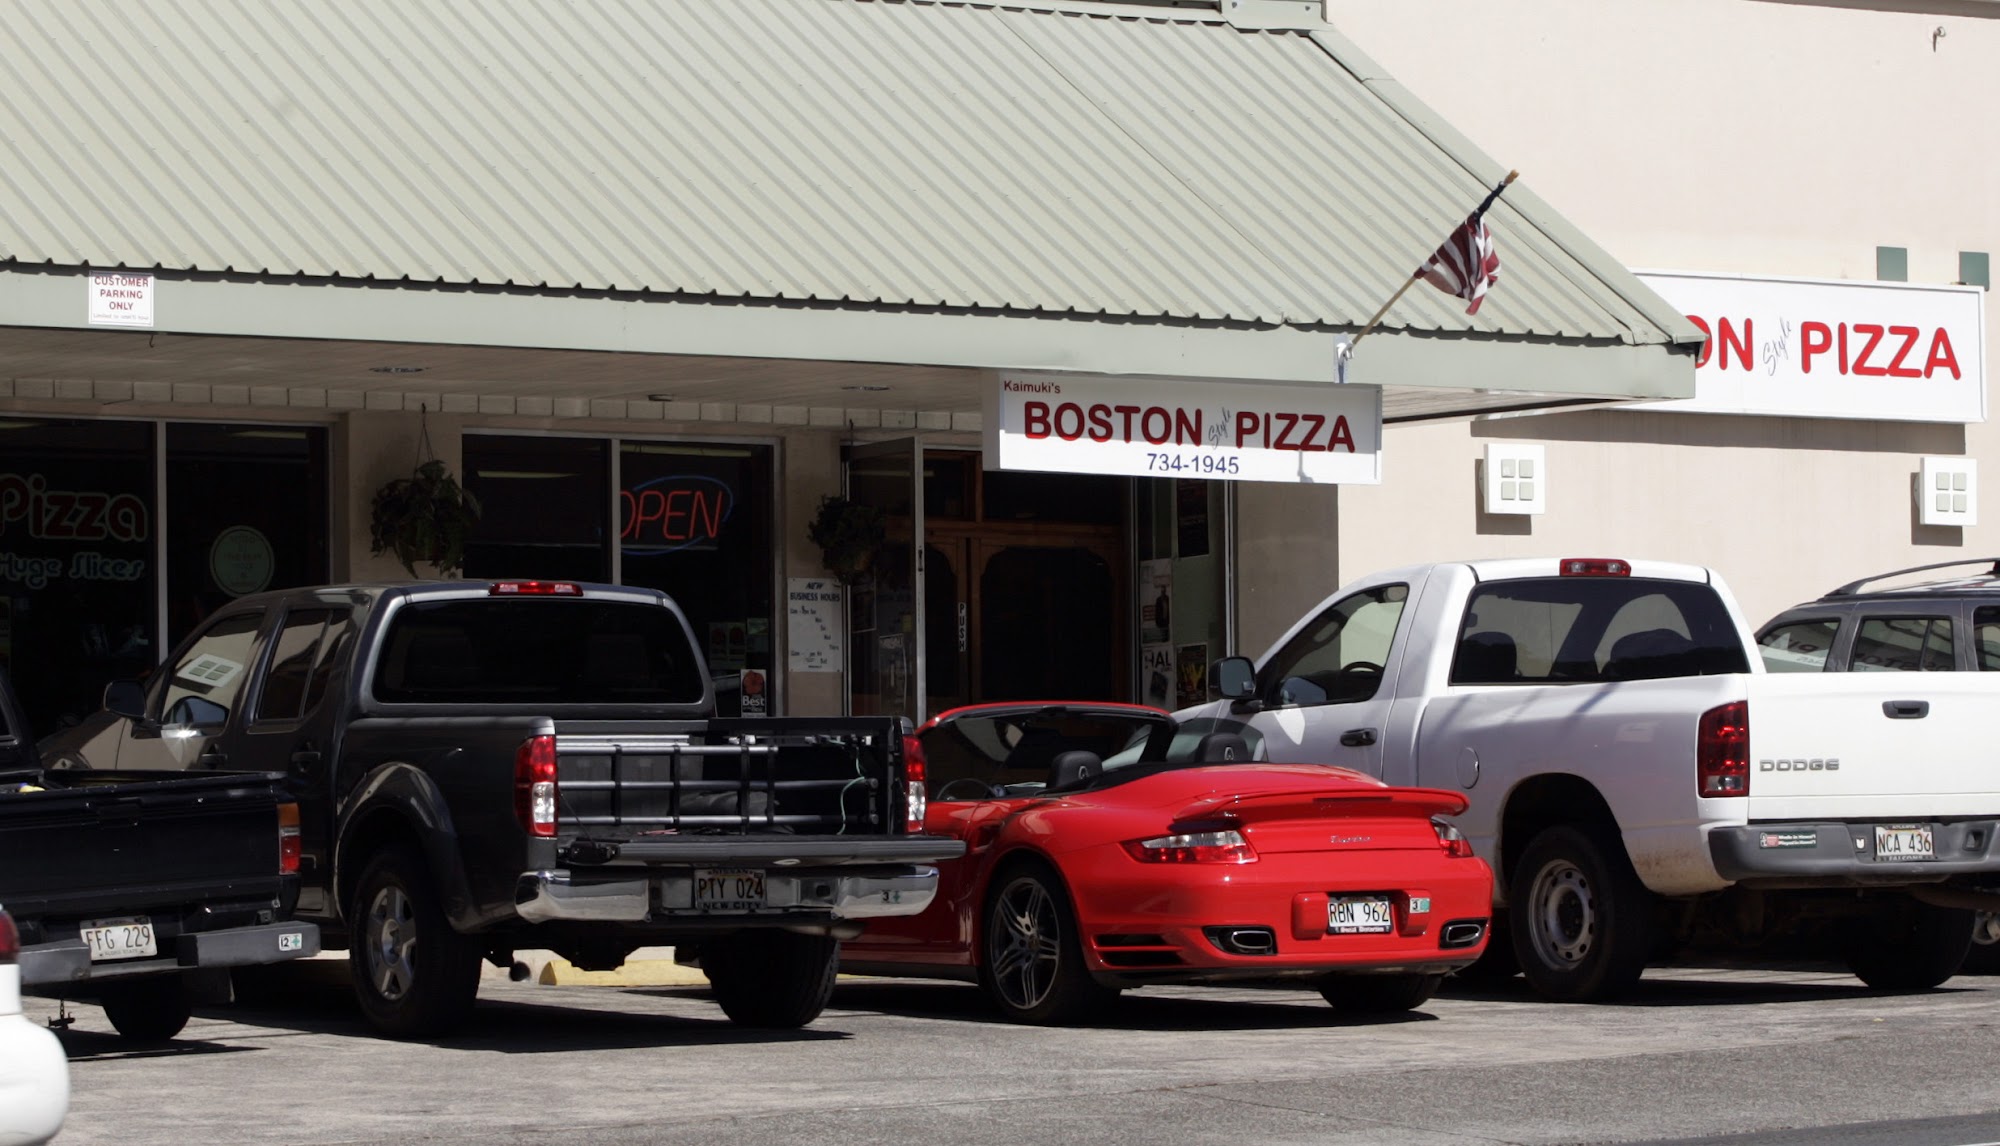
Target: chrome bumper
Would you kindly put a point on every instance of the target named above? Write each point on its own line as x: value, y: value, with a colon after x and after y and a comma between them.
x: 549, y: 896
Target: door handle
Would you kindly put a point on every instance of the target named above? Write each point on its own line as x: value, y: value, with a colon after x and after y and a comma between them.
x: 1357, y: 737
x: 213, y: 758
x: 1906, y: 709
x: 307, y: 757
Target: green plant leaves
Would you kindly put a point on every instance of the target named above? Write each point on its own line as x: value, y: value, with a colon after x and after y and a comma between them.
x: 425, y: 517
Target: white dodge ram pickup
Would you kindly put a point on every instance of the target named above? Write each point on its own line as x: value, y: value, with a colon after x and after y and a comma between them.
x: 1637, y: 780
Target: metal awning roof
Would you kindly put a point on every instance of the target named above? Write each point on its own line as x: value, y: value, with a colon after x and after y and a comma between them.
x: 1157, y: 166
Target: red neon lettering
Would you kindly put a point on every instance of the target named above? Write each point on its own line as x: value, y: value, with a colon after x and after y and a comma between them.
x: 1246, y: 425
x: 1035, y: 419
x: 1707, y: 343
x: 708, y: 507
x: 1941, y: 354
x: 668, y: 515
x: 1809, y: 345
x: 56, y: 523
x: 1874, y: 333
x: 1732, y: 341
x: 1909, y: 336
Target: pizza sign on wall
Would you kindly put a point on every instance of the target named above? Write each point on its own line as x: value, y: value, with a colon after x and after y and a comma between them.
x: 1818, y: 348
x: 1188, y: 428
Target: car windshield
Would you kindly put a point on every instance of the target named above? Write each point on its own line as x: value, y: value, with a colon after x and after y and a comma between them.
x: 515, y: 650
x: 1012, y: 750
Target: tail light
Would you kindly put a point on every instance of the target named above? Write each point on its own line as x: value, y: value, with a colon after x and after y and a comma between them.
x: 1194, y: 843
x: 915, y: 798
x: 1722, y: 750
x: 1451, y: 839
x: 288, y: 839
x: 535, y: 589
x: 10, y: 941
x: 1595, y: 567
x: 535, y: 785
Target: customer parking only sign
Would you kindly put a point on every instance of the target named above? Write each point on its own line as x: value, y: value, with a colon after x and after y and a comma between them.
x: 1187, y: 428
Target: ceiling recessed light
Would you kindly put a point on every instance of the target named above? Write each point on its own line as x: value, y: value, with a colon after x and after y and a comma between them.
x: 869, y: 389
x: 396, y: 369
x: 659, y: 397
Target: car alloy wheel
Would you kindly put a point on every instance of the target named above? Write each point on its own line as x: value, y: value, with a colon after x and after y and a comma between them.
x: 391, y: 943
x: 1024, y: 943
x: 1563, y: 914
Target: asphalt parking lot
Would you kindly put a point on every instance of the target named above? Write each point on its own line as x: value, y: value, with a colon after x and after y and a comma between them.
x: 1786, y: 1056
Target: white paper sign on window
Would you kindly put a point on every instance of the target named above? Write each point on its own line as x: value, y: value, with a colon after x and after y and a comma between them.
x: 1188, y: 428
x: 1821, y: 348
x: 813, y: 624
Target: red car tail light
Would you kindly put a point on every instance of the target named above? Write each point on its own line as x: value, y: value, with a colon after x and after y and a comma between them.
x: 288, y: 839
x: 10, y: 941
x: 535, y: 589
x: 915, y: 799
x: 1451, y: 839
x: 1227, y: 846
x: 535, y: 785
x: 1595, y: 567
x: 1722, y: 750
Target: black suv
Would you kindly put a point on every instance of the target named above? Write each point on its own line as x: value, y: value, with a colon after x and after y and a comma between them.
x: 1951, y: 624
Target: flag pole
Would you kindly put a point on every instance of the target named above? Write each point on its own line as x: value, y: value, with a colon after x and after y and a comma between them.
x: 1419, y: 272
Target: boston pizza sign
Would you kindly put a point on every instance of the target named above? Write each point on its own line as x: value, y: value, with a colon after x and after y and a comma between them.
x: 1819, y: 348
x: 1172, y: 427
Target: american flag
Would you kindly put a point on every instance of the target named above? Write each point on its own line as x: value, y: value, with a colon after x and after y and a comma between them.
x: 1467, y: 265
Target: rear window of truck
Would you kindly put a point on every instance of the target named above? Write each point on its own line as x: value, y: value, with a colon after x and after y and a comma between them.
x: 1594, y: 629
x: 539, y: 651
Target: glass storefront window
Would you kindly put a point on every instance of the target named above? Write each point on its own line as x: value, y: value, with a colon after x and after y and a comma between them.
x: 1180, y: 596
x: 246, y: 512
x: 545, y: 507
x: 696, y: 522
x: 77, y: 576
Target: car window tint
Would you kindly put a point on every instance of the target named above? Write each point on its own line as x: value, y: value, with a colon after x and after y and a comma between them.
x: 511, y: 650
x: 1986, y: 637
x: 332, y: 652
x: 1798, y: 646
x: 1903, y: 644
x: 291, y: 663
x: 1338, y: 658
x: 1589, y: 629
x: 205, y: 682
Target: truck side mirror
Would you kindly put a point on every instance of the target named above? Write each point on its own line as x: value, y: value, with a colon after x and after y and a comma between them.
x: 1235, y: 678
x: 125, y: 698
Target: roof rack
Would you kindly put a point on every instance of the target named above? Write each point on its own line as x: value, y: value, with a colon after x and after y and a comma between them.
x: 1854, y: 587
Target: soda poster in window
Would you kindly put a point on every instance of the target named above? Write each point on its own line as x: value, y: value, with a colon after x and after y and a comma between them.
x: 1193, y: 675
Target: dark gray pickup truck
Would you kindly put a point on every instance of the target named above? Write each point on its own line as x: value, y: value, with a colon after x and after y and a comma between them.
x: 482, y: 767
x: 122, y: 882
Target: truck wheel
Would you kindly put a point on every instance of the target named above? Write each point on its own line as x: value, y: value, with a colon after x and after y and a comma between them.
x: 1031, y: 961
x: 1914, y: 949
x: 1378, y: 994
x: 413, y: 974
x: 772, y: 979
x: 1582, y: 922
x: 150, y: 1010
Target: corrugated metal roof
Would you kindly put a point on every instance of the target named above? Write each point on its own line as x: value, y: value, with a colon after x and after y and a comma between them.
x: 962, y: 155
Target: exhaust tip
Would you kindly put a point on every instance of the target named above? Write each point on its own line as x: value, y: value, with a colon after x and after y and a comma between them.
x: 1462, y: 933
x: 1244, y: 940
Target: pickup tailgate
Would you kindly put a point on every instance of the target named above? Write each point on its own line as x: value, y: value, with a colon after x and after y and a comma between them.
x: 1872, y: 746
x: 114, y: 841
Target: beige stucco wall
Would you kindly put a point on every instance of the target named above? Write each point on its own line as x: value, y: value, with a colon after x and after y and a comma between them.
x: 1718, y: 135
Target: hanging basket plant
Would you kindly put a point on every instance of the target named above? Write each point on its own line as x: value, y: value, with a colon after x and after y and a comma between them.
x: 848, y: 533
x: 426, y: 517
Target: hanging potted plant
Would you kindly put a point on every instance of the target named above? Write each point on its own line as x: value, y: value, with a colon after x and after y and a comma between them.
x: 425, y: 517
x: 848, y: 533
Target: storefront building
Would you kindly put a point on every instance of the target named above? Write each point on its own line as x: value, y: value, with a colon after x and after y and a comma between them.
x: 656, y: 283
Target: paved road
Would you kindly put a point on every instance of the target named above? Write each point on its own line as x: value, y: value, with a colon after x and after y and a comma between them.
x: 1696, y: 1054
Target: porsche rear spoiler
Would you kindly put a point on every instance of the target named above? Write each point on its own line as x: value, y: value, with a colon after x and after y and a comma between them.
x: 1305, y: 803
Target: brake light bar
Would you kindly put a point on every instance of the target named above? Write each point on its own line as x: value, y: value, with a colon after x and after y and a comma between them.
x: 535, y: 785
x: 10, y: 941
x: 915, y: 798
x: 288, y: 839
x: 1193, y: 847
x: 1722, y: 750
x: 535, y: 589
x: 1595, y: 567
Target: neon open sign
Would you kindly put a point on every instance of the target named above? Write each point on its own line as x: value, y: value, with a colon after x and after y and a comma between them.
x: 680, y: 511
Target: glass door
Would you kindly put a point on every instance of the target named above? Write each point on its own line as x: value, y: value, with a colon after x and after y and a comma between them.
x: 886, y: 608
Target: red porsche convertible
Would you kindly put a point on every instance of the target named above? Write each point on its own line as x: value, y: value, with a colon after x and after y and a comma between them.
x: 1108, y: 848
